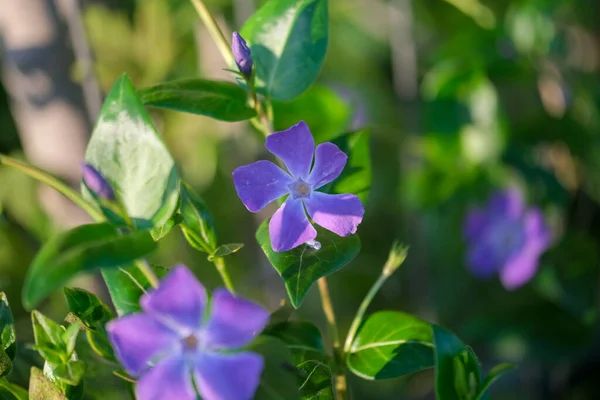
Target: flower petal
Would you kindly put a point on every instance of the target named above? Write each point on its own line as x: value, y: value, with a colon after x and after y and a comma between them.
x: 289, y: 227
x: 520, y: 268
x: 179, y: 301
x: 295, y: 147
x: 234, y: 321
x: 508, y: 203
x: 482, y: 261
x: 138, y: 338
x: 329, y: 164
x: 537, y: 233
x: 476, y: 223
x: 260, y: 183
x: 339, y: 213
x: 170, y: 379
x: 228, y: 376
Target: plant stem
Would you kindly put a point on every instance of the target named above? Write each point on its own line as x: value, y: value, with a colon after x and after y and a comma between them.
x: 215, y: 31
x: 220, y: 264
x: 340, y: 381
x: 148, y: 272
x: 54, y: 183
x: 360, y: 313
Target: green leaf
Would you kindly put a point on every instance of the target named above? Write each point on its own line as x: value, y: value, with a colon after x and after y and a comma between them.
x: 225, y: 250
x: 494, y: 374
x: 278, y: 380
x: 457, y: 370
x: 304, y: 341
x: 198, y: 224
x: 93, y: 315
x: 321, y: 108
x: 70, y: 373
x: 317, y: 381
x: 126, y: 148
x: 126, y: 284
x: 301, y: 267
x: 10, y: 391
x: 49, y: 341
x: 8, y: 337
x: 288, y: 41
x: 83, y: 248
x: 40, y: 387
x: 163, y: 230
x: 224, y: 101
x: 356, y: 176
x: 390, y: 344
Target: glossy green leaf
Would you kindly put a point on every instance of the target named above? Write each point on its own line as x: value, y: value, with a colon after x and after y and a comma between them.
x: 225, y: 250
x: 10, y: 391
x: 49, y: 339
x: 126, y: 148
x: 198, y: 224
x: 83, y: 248
x: 301, y: 267
x: 70, y: 373
x: 8, y: 337
x: 278, y: 380
x: 390, y: 344
x: 288, y: 41
x: 321, y: 108
x: 93, y: 315
x: 40, y: 387
x: 492, y: 376
x: 224, y: 101
x: 163, y: 230
x: 317, y: 380
x: 457, y: 370
x: 357, y: 175
x: 126, y: 284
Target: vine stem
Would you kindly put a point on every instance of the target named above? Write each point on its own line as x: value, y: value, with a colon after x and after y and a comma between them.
x: 360, y: 313
x: 340, y: 381
x: 75, y: 197
x: 215, y: 31
x: 220, y: 265
x: 54, y: 183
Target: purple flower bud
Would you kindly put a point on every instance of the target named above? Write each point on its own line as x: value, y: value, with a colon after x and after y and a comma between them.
x: 241, y: 53
x: 97, y: 183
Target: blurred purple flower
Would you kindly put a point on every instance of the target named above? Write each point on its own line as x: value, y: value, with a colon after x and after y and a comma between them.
x: 241, y: 54
x: 172, y: 347
x: 97, y: 183
x: 505, y: 238
x: 262, y: 182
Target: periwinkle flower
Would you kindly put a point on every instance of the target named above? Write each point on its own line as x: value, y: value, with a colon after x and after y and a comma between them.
x: 506, y: 238
x: 241, y: 54
x: 97, y: 183
x: 173, y: 346
x: 262, y: 182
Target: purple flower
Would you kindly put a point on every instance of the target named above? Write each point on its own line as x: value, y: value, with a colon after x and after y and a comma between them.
x: 96, y: 182
x: 506, y: 238
x: 173, y: 345
x: 241, y: 54
x: 262, y: 182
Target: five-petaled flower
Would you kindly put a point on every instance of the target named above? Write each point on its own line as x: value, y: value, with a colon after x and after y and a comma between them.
x: 97, y: 183
x: 262, y: 182
x: 172, y: 345
x: 241, y: 54
x: 506, y: 238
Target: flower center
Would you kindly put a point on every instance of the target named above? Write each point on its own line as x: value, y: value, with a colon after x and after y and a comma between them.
x: 190, y: 342
x: 300, y: 189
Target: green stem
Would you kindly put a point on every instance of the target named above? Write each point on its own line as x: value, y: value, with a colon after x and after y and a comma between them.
x: 360, y: 313
x: 148, y: 272
x: 340, y: 381
x: 215, y: 31
x: 53, y: 182
x: 220, y: 264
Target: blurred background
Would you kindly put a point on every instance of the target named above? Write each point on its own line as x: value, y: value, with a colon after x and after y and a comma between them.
x: 460, y: 97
